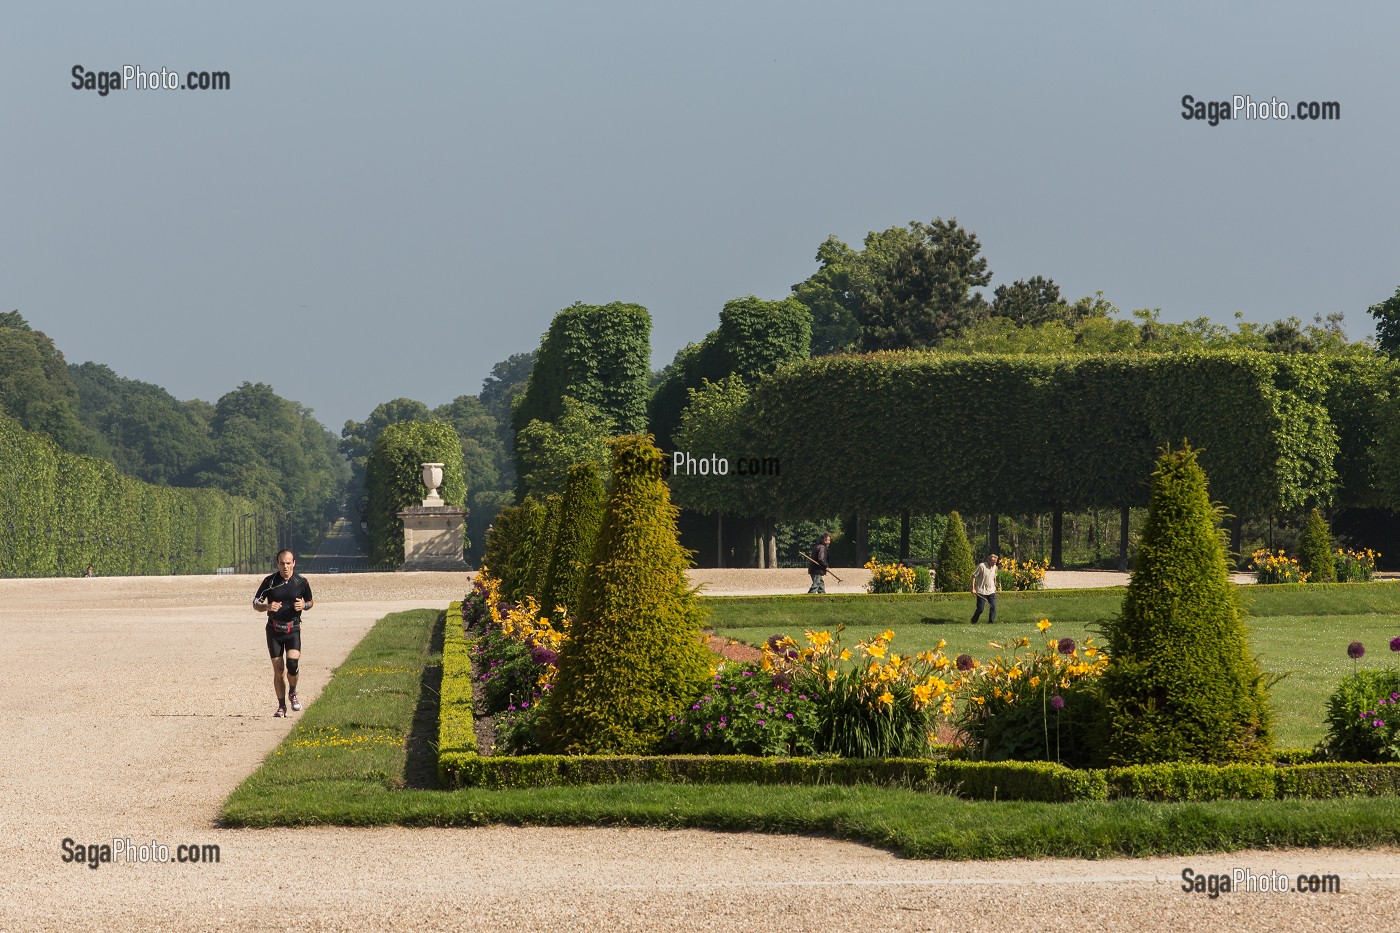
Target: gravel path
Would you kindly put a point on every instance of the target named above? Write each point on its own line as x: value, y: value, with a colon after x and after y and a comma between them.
x: 132, y: 707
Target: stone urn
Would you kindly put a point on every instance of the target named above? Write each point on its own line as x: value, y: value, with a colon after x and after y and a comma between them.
x: 432, y: 478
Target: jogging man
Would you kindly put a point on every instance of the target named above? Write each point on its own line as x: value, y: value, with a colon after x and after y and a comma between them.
x: 284, y: 596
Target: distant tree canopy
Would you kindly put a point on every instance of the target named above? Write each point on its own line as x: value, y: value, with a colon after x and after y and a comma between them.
x: 148, y: 433
x: 36, y: 389
x: 1387, y: 315
x: 753, y: 339
x: 910, y: 287
x: 273, y: 451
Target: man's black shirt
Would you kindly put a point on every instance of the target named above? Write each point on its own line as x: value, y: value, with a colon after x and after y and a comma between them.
x: 274, y: 589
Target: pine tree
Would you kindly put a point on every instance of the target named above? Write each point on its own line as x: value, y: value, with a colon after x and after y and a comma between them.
x: 1315, y: 554
x: 955, y: 563
x: 1182, y: 685
x: 634, y: 655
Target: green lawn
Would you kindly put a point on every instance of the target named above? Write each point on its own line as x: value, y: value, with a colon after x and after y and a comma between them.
x: 1301, y: 631
x: 362, y: 755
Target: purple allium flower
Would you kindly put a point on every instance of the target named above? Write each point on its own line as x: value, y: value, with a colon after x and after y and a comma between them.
x: 1356, y: 650
x: 503, y: 607
x: 1057, y: 702
x: 544, y: 656
x: 1395, y: 643
x: 781, y: 680
x: 773, y: 642
x: 964, y: 662
x: 1066, y: 645
x: 792, y: 654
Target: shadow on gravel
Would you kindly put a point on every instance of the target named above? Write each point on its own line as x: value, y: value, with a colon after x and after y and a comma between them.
x: 420, y: 768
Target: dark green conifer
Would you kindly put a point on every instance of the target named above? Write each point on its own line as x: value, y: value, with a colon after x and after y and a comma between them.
x: 1316, y: 557
x: 955, y: 563
x: 1182, y: 685
x: 573, y: 545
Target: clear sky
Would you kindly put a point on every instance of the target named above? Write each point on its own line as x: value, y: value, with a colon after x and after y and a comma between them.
x: 390, y: 198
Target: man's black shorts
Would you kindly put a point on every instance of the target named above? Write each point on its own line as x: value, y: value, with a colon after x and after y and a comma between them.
x: 278, y: 642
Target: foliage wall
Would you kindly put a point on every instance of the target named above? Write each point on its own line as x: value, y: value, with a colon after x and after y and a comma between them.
x: 62, y: 511
x: 884, y: 432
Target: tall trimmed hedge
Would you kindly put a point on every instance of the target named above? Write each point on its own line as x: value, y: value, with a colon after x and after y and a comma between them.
x: 634, y: 655
x: 1360, y: 404
x: 394, y: 479
x: 928, y: 432
x: 955, y: 560
x: 61, y: 512
x: 598, y: 354
x: 1182, y: 685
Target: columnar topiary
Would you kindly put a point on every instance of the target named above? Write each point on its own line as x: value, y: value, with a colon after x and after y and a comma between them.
x: 525, y: 540
x: 634, y: 655
x: 1182, y: 685
x: 540, y: 555
x: 573, y: 545
x: 500, y: 539
x: 1315, y: 554
x: 955, y: 563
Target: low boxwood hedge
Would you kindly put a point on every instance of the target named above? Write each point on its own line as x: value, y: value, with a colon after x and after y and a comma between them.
x: 456, y: 718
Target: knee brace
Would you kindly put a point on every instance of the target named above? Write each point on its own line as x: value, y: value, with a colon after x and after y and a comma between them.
x: 292, y: 664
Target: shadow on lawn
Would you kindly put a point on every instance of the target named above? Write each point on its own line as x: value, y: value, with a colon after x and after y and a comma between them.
x: 420, y: 767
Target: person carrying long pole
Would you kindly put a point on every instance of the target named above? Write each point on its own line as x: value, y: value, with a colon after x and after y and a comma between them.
x: 820, y: 565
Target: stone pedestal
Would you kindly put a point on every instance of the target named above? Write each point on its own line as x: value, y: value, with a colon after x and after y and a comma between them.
x: 432, y: 537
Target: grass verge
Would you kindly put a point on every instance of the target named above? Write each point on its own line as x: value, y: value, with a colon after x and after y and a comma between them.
x: 356, y: 759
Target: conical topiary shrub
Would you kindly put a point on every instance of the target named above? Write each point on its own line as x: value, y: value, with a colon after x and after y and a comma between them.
x: 573, y: 545
x: 1181, y: 685
x: 634, y: 656
x: 500, y: 539
x: 526, y: 531
x: 1315, y: 555
x: 544, y: 549
x: 955, y: 563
